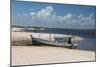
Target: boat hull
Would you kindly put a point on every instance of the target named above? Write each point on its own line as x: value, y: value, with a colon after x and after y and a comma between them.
x: 37, y: 41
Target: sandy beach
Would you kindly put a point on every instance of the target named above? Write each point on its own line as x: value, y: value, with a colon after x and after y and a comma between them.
x: 23, y: 54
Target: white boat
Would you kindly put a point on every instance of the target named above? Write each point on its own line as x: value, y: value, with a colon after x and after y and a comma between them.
x: 58, y: 41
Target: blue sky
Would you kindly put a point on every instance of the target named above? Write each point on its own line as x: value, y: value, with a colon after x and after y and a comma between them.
x: 53, y: 15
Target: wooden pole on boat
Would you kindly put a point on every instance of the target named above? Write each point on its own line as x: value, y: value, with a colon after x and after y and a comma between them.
x: 54, y: 37
x: 31, y: 39
x: 39, y: 35
x: 50, y: 37
x: 31, y: 36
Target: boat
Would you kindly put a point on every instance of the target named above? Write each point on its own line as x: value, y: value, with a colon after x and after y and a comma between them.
x: 58, y: 41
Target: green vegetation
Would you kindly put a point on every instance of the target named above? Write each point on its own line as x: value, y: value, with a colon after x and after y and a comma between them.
x: 38, y: 28
x: 33, y: 27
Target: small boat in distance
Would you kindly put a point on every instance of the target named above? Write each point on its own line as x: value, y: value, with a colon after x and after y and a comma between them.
x: 58, y: 41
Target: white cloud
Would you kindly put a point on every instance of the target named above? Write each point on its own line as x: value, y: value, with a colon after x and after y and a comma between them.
x: 45, y: 12
x: 47, y: 17
x: 32, y: 13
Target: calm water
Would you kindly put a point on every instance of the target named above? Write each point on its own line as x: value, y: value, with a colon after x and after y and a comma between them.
x: 81, y: 33
x: 89, y: 42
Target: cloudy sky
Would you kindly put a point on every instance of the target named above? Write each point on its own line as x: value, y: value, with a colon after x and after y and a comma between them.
x: 53, y: 15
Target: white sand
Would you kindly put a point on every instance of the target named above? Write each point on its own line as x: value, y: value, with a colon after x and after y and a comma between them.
x: 18, y: 36
x: 25, y: 55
